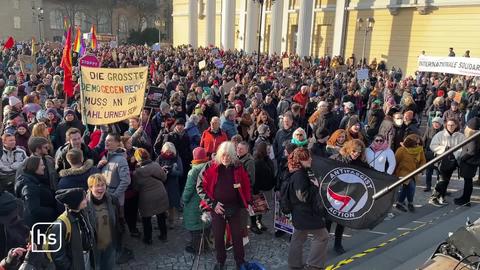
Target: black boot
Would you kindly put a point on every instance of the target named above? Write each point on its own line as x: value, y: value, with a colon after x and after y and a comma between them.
x: 461, y: 201
x: 338, y: 247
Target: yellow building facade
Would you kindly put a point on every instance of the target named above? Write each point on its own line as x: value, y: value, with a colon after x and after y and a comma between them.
x: 401, y: 31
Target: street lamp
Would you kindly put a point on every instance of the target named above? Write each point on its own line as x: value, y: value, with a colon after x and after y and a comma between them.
x: 38, y: 12
x: 261, y: 2
x: 365, y: 24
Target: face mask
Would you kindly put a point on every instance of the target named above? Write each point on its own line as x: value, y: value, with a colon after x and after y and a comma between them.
x: 398, y: 122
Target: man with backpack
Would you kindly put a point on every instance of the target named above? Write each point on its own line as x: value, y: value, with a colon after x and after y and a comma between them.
x: 74, y: 235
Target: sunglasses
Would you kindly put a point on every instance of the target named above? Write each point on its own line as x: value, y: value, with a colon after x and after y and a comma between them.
x: 379, y: 140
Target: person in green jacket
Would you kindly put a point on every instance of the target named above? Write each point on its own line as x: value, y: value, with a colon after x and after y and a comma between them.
x: 191, y: 201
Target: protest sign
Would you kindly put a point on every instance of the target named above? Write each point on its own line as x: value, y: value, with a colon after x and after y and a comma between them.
x: 112, y: 95
x: 285, y: 63
x: 202, y: 64
x: 156, y: 47
x: 218, y: 63
x: 281, y: 221
x: 89, y: 61
x: 362, y: 74
x: 19, y: 46
x: 453, y: 65
x: 154, y: 97
x: 27, y: 64
x: 228, y: 86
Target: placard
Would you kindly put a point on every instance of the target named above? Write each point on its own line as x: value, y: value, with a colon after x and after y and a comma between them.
x: 218, y: 63
x: 112, y: 95
x: 285, y: 63
x: 89, y: 61
x: 362, y: 74
x: 27, y: 64
x: 154, y: 97
x: 202, y: 64
x: 281, y: 221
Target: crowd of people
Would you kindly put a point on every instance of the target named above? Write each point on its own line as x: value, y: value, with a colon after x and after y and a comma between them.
x: 208, y: 150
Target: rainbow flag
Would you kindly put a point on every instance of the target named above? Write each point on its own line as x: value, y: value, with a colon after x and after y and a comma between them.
x: 77, y: 44
x: 83, y: 47
x: 65, y: 27
x: 93, y: 31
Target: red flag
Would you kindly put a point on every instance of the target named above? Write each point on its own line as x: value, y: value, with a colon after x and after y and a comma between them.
x: 9, y: 43
x: 152, y: 71
x: 66, y: 64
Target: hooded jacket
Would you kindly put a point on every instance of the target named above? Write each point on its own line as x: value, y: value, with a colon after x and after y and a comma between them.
x: 117, y: 173
x: 61, y: 130
x: 193, y: 133
x: 408, y: 160
x: 211, y: 141
x: 11, y: 160
x: 77, y: 177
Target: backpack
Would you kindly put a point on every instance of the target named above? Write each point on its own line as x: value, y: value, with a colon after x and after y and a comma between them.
x: 285, y: 201
x: 68, y: 233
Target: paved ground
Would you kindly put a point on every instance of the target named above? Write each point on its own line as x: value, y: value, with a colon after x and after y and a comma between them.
x: 272, y: 252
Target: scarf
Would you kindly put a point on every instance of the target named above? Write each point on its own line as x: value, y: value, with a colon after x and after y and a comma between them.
x: 299, y: 143
x: 167, y: 155
x: 376, y: 147
x: 97, y: 201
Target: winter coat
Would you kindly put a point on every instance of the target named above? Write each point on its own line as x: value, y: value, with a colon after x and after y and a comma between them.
x: 469, y: 160
x: 208, y: 178
x: 378, y: 160
x: 117, y: 173
x: 458, y: 115
x: 148, y: 180
x: 443, y: 139
x: 375, y: 119
x: 39, y: 200
x: 174, y: 172
x: 249, y: 165
x: 114, y: 215
x: 264, y: 175
x: 229, y: 127
x: 408, y: 160
x: 61, y: 156
x: 282, y: 136
x: 11, y: 160
x: 387, y: 129
x: 211, y: 141
x: 191, y: 200
x: 182, y: 145
x: 427, y: 139
x: 193, y: 134
x: 77, y: 177
x: 307, y: 209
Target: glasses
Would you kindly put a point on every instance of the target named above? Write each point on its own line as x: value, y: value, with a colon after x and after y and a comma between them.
x: 379, y: 140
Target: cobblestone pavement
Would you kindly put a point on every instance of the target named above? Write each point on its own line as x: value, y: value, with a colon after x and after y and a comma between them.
x: 269, y: 251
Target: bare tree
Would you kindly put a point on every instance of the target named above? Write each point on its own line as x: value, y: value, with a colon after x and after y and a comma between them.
x: 143, y: 8
x: 69, y: 9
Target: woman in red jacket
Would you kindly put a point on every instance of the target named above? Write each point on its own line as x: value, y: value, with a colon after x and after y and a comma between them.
x: 224, y: 188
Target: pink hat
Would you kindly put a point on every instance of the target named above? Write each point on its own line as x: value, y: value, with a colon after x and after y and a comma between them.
x: 199, y: 155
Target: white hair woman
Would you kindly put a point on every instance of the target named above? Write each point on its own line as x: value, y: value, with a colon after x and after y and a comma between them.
x: 173, y: 167
x: 224, y: 189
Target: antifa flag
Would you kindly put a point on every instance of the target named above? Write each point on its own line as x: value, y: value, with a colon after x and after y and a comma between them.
x: 347, y: 190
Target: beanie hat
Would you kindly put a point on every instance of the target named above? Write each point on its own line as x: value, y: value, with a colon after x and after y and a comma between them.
x: 199, y: 155
x: 474, y: 123
x: 8, y: 203
x: 198, y: 110
x: 12, y: 101
x: 13, y: 115
x: 180, y: 121
x: 71, y: 197
x: 67, y: 112
x: 52, y: 110
x: 262, y: 129
x: 36, y: 142
x: 9, y: 89
x: 438, y: 120
x: 141, y: 154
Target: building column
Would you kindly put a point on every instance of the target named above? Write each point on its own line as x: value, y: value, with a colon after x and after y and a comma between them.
x: 193, y: 23
x: 276, y: 28
x: 304, y: 33
x: 210, y: 22
x: 286, y: 7
x: 228, y: 24
x: 339, y: 28
x: 251, y: 36
x: 240, y: 36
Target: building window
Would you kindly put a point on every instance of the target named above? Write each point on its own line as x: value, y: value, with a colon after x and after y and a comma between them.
x: 17, y: 22
x: 123, y: 24
x: 56, y: 19
x: 16, y: 4
x: 81, y: 20
x: 104, y: 23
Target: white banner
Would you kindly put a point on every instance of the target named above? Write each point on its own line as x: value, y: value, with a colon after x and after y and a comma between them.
x: 452, y: 65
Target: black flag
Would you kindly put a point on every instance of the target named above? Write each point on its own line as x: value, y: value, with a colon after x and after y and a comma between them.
x: 347, y: 191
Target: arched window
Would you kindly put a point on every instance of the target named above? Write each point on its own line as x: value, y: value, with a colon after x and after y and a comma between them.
x: 103, y: 23
x: 123, y: 24
x: 56, y: 19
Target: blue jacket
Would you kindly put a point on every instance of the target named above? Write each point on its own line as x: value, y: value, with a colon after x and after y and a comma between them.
x: 77, y: 177
x: 229, y: 127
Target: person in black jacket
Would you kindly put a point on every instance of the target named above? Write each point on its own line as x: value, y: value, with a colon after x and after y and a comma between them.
x: 33, y: 187
x: 307, y: 213
x: 76, y: 251
x: 352, y: 152
x: 74, y: 141
x: 77, y: 175
x: 469, y: 161
x: 70, y: 121
x: 283, y: 135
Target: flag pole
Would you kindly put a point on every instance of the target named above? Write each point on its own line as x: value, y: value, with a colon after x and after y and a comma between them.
x: 423, y: 167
